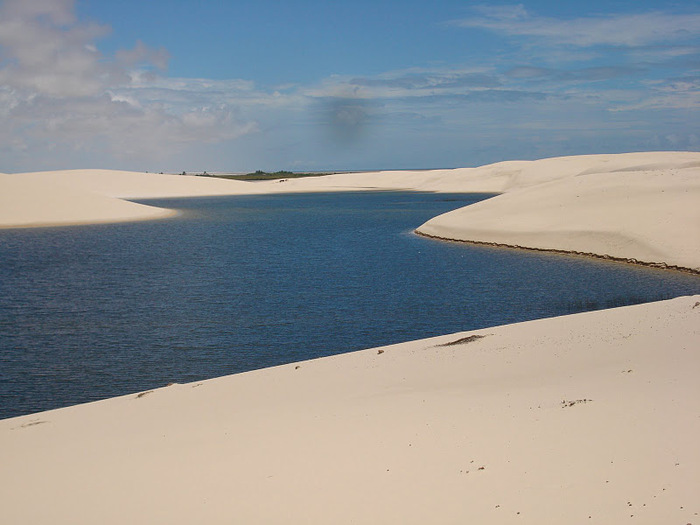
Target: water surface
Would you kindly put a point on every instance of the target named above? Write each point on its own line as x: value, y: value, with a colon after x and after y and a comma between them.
x: 240, y: 283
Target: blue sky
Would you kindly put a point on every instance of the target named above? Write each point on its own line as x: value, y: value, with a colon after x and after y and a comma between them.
x: 308, y: 85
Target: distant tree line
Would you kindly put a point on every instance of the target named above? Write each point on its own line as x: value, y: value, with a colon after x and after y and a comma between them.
x: 261, y: 175
x: 264, y: 175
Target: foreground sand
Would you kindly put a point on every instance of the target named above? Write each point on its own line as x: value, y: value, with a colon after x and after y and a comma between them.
x: 590, y: 418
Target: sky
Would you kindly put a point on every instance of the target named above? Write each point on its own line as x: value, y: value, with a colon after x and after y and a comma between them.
x: 238, y: 85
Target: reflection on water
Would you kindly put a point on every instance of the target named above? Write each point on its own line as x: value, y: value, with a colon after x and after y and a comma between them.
x: 239, y: 283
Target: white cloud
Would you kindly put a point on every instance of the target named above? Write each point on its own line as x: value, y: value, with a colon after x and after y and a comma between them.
x: 44, y: 50
x: 616, y: 30
x: 679, y: 94
x: 58, y: 91
x: 407, y: 83
x: 142, y: 56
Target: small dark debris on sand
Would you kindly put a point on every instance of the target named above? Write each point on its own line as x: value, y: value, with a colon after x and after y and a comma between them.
x: 31, y: 424
x: 566, y: 404
x: 464, y: 340
x: 34, y: 423
x: 144, y: 394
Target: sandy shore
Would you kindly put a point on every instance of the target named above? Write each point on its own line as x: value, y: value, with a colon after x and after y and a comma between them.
x: 641, y: 207
x: 589, y: 418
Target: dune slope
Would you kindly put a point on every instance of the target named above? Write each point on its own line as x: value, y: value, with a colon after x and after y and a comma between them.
x: 645, y: 209
x: 586, y: 418
x: 22, y: 205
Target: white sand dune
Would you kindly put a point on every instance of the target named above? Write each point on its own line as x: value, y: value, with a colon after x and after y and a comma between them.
x: 134, y: 185
x: 635, y: 206
x: 23, y: 205
x: 589, y: 418
x: 97, y: 196
x: 500, y: 177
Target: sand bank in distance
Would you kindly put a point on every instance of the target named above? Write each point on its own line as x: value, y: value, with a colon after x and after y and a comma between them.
x: 588, y: 418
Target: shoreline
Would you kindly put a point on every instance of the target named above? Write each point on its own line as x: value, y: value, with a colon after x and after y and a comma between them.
x: 165, y: 214
x: 654, y: 265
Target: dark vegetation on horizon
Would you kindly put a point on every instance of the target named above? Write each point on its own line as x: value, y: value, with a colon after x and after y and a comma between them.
x: 284, y: 174
x: 263, y: 175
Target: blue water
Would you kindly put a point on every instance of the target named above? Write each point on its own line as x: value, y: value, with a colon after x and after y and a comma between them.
x: 240, y: 283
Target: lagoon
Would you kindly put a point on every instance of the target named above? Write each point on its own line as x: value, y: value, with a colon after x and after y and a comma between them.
x: 246, y: 282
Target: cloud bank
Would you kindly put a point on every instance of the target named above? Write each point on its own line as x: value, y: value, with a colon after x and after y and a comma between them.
x: 554, y: 86
x: 629, y: 30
